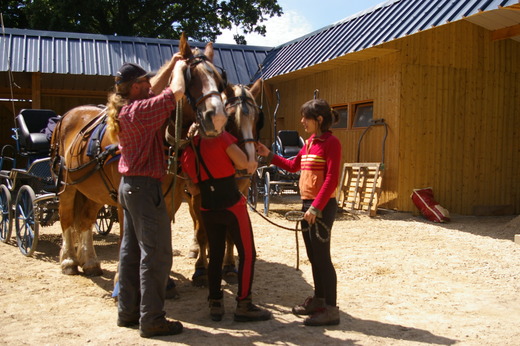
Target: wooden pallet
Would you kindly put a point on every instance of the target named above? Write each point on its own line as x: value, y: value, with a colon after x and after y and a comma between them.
x: 360, y: 186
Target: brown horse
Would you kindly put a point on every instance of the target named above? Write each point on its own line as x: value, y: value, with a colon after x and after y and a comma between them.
x: 91, y: 182
x: 244, y: 117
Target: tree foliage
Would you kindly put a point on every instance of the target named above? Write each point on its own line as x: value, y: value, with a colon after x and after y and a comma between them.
x: 201, y: 20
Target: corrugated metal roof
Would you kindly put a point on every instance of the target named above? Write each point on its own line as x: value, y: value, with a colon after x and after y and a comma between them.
x: 382, y: 23
x: 100, y: 55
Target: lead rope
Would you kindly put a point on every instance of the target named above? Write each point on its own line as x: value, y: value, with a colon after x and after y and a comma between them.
x: 176, y: 144
x: 297, y: 216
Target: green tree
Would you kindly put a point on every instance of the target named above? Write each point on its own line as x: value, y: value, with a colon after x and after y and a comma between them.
x: 201, y: 20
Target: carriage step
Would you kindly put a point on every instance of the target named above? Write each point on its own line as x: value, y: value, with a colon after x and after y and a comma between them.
x: 360, y: 187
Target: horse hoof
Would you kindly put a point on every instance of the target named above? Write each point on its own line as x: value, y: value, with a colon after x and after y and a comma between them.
x: 201, y: 281
x: 69, y: 267
x: 200, y: 278
x: 230, y: 274
x: 93, y: 271
x: 70, y: 270
x: 171, y: 293
x: 171, y: 290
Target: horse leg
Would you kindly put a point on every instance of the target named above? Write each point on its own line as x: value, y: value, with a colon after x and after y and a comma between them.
x: 86, y: 214
x: 200, y: 277
x: 194, y: 247
x: 229, y: 270
x: 68, y: 259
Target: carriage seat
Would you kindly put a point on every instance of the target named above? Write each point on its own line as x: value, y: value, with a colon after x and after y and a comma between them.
x: 288, y: 143
x: 30, y: 124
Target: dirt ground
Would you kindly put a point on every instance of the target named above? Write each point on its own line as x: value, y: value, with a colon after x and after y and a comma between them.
x: 401, y: 281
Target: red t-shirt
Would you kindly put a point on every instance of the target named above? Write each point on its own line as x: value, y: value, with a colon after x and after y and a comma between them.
x: 213, y: 151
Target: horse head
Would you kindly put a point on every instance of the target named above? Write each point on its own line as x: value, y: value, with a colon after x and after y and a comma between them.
x: 244, y: 115
x: 203, y: 87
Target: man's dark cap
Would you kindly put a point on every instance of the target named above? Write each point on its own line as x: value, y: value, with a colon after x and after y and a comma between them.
x: 130, y: 72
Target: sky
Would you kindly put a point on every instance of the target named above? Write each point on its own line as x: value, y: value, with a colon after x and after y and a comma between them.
x: 300, y: 18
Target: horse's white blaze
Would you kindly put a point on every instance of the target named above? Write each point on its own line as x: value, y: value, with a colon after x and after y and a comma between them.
x: 249, y: 147
x: 214, y: 103
x: 220, y: 117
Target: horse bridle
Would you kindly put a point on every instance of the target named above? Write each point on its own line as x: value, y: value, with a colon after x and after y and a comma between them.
x: 243, y: 101
x: 192, y: 62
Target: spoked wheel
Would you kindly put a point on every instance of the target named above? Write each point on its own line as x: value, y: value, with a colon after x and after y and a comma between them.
x: 267, y: 193
x: 105, y: 219
x: 252, y: 196
x: 27, y: 227
x: 6, y: 218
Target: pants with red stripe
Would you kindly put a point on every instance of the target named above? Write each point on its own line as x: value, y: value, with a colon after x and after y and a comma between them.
x: 234, y: 220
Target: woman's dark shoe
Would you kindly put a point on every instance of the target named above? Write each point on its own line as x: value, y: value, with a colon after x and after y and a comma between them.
x: 326, y: 316
x: 216, y: 309
x: 309, y: 306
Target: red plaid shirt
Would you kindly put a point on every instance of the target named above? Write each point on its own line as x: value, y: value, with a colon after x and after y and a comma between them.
x: 140, y: 137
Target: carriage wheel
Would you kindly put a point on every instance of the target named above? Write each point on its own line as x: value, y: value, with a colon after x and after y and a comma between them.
x: 26, y: 225
x: 105, y: 220
x: 5, y: 219
x: 253, y: 191
x: 267, y: 192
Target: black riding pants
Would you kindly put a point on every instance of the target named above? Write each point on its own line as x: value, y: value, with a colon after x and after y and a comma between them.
x: 318, y: 251
x: 235, y: 220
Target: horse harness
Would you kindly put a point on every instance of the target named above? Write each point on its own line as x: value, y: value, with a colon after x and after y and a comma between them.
x: 90, y: 137
x: 243, y: 101
x: 192, y: 63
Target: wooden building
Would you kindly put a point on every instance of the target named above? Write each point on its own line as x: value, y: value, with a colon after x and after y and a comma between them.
x: 445, y: 77
x: 443, y: 74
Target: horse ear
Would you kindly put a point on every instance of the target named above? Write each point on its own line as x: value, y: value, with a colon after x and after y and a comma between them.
x: 228, y: 91
x: 184, y: 47
x: 256, y: 88
x: 208, y: 52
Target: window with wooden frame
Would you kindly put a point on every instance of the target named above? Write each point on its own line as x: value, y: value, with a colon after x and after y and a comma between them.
x: 343, y: 118
x: 354, y: 115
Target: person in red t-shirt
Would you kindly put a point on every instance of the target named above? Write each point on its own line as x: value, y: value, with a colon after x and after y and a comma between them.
x: 210, y: 162
x: 137, y: 111
x: 319, y: 162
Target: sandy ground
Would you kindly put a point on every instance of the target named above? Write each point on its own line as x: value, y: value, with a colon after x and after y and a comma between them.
x: 401, y: 281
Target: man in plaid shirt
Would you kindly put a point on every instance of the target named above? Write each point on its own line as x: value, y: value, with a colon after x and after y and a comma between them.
x: 137, y: 111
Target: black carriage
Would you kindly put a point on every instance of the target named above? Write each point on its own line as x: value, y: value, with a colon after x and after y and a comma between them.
x: 28, y: 196
x: 271, y: 180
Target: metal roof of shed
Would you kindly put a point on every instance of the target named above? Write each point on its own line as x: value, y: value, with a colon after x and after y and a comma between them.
x: 100, y: 55
x: 385, y: 22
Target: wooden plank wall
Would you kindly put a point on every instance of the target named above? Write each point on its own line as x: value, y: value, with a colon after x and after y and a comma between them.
x: 460, y: 115
x: 375, y: 79
x: 451, y: 99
